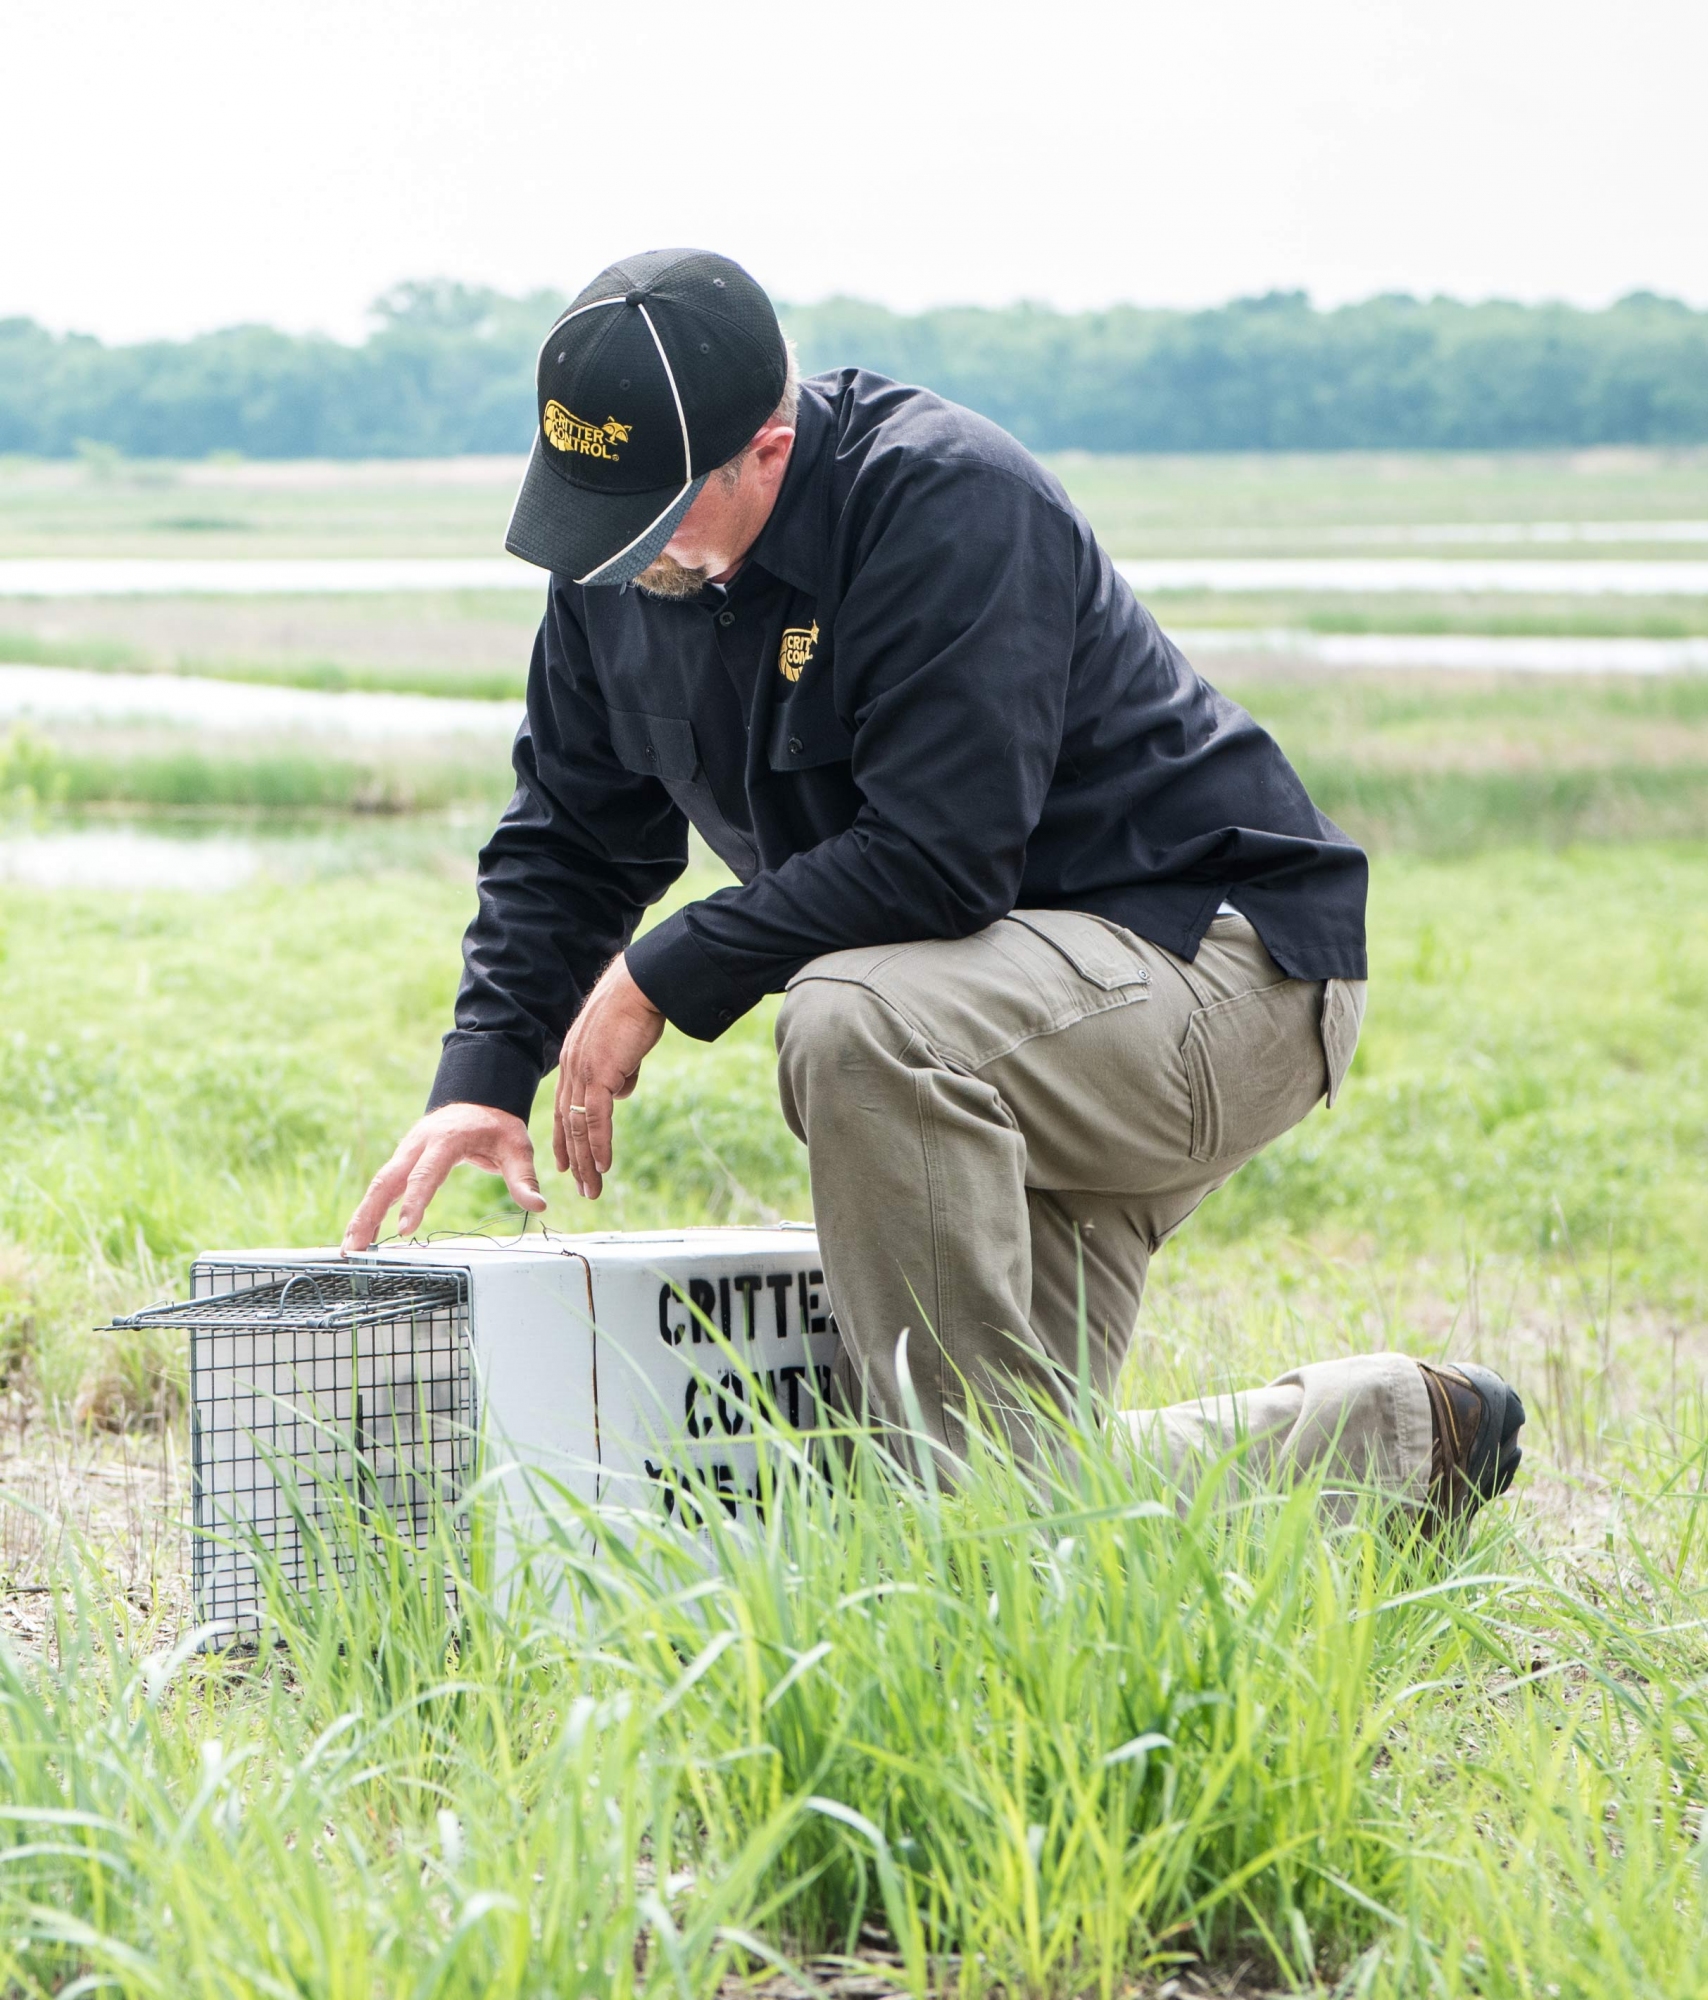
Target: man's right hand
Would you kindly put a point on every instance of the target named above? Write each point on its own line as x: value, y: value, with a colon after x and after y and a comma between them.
x: 496, y: 1141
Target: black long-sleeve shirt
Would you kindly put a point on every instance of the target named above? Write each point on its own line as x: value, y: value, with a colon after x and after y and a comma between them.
x: 926, y: 699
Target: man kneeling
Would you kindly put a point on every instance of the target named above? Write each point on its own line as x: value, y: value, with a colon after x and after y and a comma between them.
x: 1063, y: 938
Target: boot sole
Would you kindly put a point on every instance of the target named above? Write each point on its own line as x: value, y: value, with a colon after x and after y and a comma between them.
x: 1495, y: 1451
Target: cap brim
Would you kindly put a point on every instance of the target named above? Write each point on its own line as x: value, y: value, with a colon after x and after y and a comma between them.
x: 591, y: 538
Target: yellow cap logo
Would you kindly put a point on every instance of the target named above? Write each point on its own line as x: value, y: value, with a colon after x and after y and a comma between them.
x: 565, y: 431
x: 794, y: 656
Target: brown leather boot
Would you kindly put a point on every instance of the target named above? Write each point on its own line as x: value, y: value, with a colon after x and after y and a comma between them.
x: 1477, y: 1419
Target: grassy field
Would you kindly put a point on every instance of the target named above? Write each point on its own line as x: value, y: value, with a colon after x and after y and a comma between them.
x: 1418, y: 762
x: 469, y: 643
x: 1273, y: 503
x: 1358, y: 1761
x: 1053, y: 1739
x: 111, y: 507
x: 260, y: 774
x: 1529, y: 1099
x: 476, y: 643
x: 1282, y: 503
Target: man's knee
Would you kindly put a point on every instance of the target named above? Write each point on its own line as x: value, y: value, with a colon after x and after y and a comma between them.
x: 821, y: 1017
x: 827, y: 1028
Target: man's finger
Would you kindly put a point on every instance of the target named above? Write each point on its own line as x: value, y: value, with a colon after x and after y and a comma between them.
x: 562, y: 1097
x: 383, y: 1190
x: 587, y: 1177
x: 567, y: 1121
x: 423, y: 1184
x: 599, y: 1127
x: 516, y: 1163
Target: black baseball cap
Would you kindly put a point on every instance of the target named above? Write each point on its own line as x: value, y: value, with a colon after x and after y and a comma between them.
x: 661, y: 370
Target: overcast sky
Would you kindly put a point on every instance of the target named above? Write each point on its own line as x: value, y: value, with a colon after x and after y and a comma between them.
x: 191, y: 163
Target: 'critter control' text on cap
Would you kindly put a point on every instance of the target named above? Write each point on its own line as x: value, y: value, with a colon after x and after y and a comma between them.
x: 660, y: 372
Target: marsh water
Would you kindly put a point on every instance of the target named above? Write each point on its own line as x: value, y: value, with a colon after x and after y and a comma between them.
x: 130, y: 852
x: 63, y: 695
x: 1452, y: 652
x: 267, y: 576
x: 209, y: 855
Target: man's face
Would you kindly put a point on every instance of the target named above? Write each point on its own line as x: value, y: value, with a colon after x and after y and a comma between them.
x: 724, y: 522
x: 705, y: 542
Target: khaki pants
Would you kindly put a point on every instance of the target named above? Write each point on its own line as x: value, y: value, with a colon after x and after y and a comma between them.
x: 988, y: 1118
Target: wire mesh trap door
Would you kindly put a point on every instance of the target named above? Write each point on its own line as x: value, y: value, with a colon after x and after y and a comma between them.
x: 329, y: 1403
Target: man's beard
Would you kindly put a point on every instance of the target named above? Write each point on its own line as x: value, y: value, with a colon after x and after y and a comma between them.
x: 664, y: 576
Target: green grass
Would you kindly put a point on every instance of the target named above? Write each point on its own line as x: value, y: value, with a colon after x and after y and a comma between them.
x: 892, y: 1717
x: 1276, y: 502
x: 39, y: 771
x: 1479, y: 1776
x: 1138, y: 504
x: 1460, y: 812
x: 1456, y: 717
x: 1047, y: 1737
x: 95, y: 655
x: 162, y: 509
x: 25, y: 648
x: 181, y: 1072
x: 1418, y: 762
x: 470, y: 643
x: 1508, y: 617
x: 1515, y: 615
x: 504, y: 683
x: 476, y: 644
x: 1269, y: 504
x: 1454, y: 763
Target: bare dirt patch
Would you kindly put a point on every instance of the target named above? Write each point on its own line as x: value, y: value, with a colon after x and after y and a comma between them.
x: 120, y: 1503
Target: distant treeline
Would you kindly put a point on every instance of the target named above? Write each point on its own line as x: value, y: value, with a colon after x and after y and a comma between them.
x: 449, y: 369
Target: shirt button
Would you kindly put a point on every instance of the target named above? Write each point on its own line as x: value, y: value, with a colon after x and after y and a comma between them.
x: 725, y: 1016
x: 726, y: 617
x: 794, y: 746
x: 650, y: 751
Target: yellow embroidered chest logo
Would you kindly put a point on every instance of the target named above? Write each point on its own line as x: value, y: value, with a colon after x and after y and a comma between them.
x: 794, y: 656
x: 565, y: 431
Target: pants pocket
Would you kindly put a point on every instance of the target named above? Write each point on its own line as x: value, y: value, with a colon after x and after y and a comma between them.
x: 1254, y: 1066
x: 1098, y: 951
x: 1343, y: 1015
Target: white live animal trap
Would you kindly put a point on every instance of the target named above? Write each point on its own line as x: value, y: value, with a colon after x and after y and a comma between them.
x: 380, y: 1380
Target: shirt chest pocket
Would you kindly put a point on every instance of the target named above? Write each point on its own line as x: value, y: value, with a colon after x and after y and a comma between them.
x: 661, y: 746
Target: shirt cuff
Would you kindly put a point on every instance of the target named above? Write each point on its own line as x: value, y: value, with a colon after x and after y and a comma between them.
x: 683, y: 982
x: 485, y: 1069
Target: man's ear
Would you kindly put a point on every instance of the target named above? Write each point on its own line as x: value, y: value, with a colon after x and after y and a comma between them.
x: 771, y: 446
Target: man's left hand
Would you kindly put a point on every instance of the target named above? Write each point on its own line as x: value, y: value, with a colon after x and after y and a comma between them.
x: 602, y: 1053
